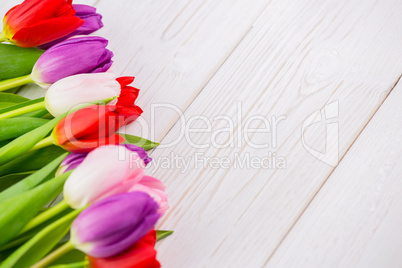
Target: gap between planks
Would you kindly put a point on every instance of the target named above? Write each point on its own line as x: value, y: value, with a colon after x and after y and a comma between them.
x: 333, y: 170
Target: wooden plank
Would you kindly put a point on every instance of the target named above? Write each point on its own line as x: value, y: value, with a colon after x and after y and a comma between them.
x: 173, y: 49
x: 299, y: 57
x: 355, y: 220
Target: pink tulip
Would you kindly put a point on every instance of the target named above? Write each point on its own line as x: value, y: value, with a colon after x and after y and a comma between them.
x: 106, y: 171
x: 110, y: 170
x: 155, y: 189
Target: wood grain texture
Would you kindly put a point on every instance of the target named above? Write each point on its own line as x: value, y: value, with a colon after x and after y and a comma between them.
x: 212, y: 58
x: 355, y: 220
x: 173, y: 48
x: 299, y: 56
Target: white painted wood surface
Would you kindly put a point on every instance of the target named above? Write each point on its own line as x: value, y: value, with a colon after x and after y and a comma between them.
x: 355, y: 220
x: 271, y: 58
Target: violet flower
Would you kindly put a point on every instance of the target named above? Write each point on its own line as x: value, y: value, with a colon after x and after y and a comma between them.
x: 72, y: 161
x: 114, y: 224
x: 140, y: 151
x: 77, y: 55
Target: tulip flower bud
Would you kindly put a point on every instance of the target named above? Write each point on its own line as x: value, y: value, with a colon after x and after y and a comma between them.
x: 140, y: 151
x: 105, y: 171
x: 71, y: 91
x: 141, y: 255
x: 36, y: 22
x: 93, y: 22
x: 77, y: 55
x: 155, y: 189
x: 73, y: 160
x: 114, y: 224
x: 95, y: 125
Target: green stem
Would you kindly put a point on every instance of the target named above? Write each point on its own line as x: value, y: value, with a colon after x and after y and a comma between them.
x: 68, y: 246
x: 15, y: 82
x: 48, y: 214
x: 23, y: 110
x: 2, y: 37
x: 43, y: 143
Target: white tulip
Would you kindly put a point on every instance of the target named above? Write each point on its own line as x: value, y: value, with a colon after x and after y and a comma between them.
x: 76, y: 90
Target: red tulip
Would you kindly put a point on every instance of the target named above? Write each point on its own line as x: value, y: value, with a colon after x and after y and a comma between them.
x: 96, y: 125
x: 141, y: 255
x: 36, y: 22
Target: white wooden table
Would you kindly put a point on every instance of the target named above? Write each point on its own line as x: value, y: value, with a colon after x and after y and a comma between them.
x: 280, y: 60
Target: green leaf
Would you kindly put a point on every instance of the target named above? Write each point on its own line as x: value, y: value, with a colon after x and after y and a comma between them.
x: 160, y: 234
x: 21, y: 105
x: 2, y: 143
x: 17, y: 61
x: 37, y: 247
x: 11, y: 128
x: 31, y: 161
x: 33, y: 180
x: 6, y: 104
x: 12, y: 90
x: 11, y: 179
x: 17, y: 211
x: 82, y: 264
x: 25, y: 142
x: 40, y: 114
x: 71, y: 257
x: 141, y: 142
x: 11, y: 98
x: 24, y: 237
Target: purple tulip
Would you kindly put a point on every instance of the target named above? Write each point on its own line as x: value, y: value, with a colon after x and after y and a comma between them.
x: 77, y: 55
x: 114, y: 224
x: 140, y: 151
x: 73, y: 160
x: 93, y: 22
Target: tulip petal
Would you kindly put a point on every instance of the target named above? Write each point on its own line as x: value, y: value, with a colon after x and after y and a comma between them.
x: 114, y: 224
x: 104, y: 170
x: 31, y: 11
x: 46, y: 31
x: 85, y: 146
x: 34, y: 22
x: 140, y: 151
x: 78, y: 55
x: 156, y: 189
x: 87, y: 123
x: 141, y: 255
x: 93, y: 22
x: 80, y: 89
x: 82, y: 10
x: 125, y: 80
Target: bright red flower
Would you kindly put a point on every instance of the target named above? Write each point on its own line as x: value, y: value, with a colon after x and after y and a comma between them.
x: 37, y: 22
x: 96, y: 125
x: 141, y: 255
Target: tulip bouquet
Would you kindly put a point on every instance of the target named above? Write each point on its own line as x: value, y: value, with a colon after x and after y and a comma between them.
x: 68, y: 145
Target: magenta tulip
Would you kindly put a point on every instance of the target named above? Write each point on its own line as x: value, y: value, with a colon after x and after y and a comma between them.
x: 114, y: 224
x: 77, y: 55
